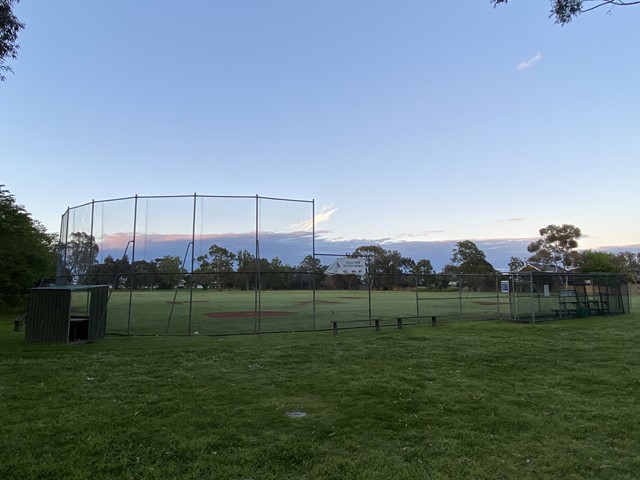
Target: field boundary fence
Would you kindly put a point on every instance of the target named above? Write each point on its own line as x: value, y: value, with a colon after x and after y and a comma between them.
x: 218, y: 265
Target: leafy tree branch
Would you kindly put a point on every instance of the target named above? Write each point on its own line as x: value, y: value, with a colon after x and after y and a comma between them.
x: 9, y: 28
x: 566, y: 10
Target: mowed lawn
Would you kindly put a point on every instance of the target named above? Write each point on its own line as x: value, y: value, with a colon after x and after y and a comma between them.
x: 232, y: 311
x: 481, y: 400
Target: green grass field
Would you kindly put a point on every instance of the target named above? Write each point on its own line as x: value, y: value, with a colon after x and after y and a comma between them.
x: 232, y: 312
x: 228, y: 312
x: 480, y: 400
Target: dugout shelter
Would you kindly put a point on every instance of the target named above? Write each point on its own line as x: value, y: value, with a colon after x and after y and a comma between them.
x: 67, y: 314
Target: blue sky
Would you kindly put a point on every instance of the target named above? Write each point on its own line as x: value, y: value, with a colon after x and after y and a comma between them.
x: 404, y: 121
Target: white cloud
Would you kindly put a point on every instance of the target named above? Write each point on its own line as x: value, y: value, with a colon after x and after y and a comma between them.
x: 413, y: 237
x: 531, y: 62
x: 320, y: 218
x: 512, y: 219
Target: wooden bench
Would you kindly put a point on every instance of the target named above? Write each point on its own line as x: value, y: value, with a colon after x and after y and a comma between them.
x: 376, y: 323
x: 416, y: 317
x: 335, y: 323
x: 565, y: 312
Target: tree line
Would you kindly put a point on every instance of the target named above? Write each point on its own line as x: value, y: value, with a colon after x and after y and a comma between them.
x: 554, y: 252
x: 27, y: 252
x: 221, y: 268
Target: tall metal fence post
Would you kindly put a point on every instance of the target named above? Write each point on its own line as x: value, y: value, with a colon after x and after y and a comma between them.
x: 370, y: 285
x: 193, y: 244
x: 256, y: 306
x: 133, y: 260
x: 516, y: 298
x: 313, y: 249
x: 415, y: 277
x: 63, y: 269
x: 533, y: 301
x: 498, y: 291
x: 460, y: 295
x: 61, y: 261
x: 91, y: 242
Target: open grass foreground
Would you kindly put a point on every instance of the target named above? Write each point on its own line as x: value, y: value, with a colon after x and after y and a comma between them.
x: 483, y: 400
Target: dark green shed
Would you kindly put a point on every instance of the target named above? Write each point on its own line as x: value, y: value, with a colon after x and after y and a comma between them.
x: 67, y: 314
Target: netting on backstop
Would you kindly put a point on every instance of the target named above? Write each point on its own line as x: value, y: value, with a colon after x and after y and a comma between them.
x: 186, y: 264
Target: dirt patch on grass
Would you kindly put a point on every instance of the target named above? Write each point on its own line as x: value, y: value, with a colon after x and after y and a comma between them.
x: 248, y: 314
x: 318, y: 302
x: 178, y: 302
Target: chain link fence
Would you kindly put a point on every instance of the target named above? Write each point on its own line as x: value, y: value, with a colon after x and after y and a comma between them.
x: 160, y: 254
x: 214, y: 265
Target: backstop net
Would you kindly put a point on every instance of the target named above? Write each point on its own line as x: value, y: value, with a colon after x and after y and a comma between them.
x: 192, y: 264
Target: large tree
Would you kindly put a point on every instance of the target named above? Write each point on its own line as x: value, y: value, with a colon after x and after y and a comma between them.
x: 215, y: 267
x: 386, y: 268
x: 145, y: 275
x: 606, y: 262
x: 26, y: 252
x: 468, y: 260
x: 565, y: 10
x: 9, y: 28
x: 170, y: 272
x: 423, y: 269
x: 246, y: 270
x: 631, y: 262
x: 80, y: 256
x: 309, y: 268
x: 555, y: 250
x: 591, y: 261
x: 114, y: 272
x: 516, y: 264
x: 275, y: 275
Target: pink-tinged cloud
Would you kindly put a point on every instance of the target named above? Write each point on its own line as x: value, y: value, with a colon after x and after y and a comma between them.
x: 121, y: 239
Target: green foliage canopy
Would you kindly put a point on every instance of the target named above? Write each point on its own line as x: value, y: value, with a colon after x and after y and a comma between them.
x: 601, y: 262
x: 555, y: 248
x: 386, y: 267
x: 515, y: 264
x: 81, y: 256
x: 607, y: 262
x: 469, y: 259
x: 9, y: 28
x: 26, y: 252
x: 170, y: 271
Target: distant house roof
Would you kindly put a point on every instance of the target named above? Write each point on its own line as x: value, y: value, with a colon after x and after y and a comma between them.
x: 529, y: 268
